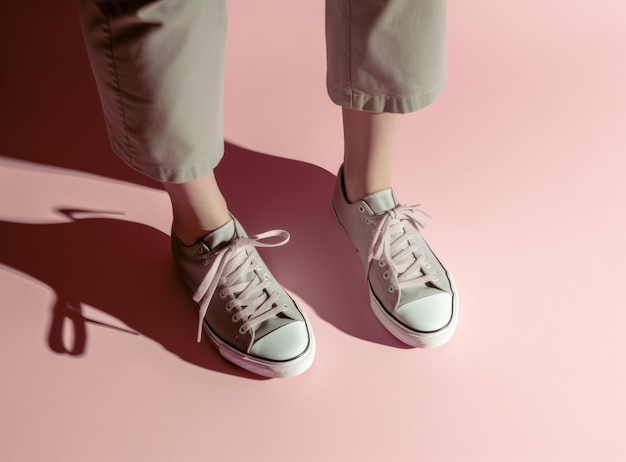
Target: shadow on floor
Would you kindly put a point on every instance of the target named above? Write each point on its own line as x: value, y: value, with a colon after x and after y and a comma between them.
x: 121, y: 268
x: 124, y: 268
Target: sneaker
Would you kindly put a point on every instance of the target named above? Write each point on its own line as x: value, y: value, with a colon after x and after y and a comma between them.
x: 246, y: 314
x: 411, y: 293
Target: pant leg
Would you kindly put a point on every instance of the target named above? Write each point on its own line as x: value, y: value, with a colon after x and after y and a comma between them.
x: 159, y: 69
x: 385, y: 55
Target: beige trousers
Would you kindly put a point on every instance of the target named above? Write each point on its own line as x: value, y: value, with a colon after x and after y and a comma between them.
x: 159, y: 68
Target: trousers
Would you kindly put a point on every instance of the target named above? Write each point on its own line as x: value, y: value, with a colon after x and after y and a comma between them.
x: 159, y: 70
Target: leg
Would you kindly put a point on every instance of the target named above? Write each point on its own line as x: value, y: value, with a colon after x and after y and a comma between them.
x: 369, y: 143
x: 388, y: 58
x: 198, y: 207
x: 159, y: 70
x: 384, y: 59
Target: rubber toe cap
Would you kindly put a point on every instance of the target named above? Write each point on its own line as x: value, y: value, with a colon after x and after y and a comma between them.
x: 284, y: 343
x: 426, y: 314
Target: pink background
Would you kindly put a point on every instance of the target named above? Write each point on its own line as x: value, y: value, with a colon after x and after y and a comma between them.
x: 521, y: 162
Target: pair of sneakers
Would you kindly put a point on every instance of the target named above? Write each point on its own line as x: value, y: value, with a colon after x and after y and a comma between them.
x: 256, y: 325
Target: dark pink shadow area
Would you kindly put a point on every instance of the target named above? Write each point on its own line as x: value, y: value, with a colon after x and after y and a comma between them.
x: 51, y: 116
x: 121, y: 268
x: 125, y: 268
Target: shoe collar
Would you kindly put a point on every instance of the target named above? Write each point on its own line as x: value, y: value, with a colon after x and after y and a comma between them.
x: 221, y: 236
x: 381, y: 201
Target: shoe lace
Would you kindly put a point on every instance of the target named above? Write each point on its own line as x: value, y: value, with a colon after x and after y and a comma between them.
x: 392, y: 243
x: 235, y: 267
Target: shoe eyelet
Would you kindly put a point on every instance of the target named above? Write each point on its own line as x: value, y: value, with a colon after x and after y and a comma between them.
x: 382, y: 263
x: 223, y: 294
x: 229, y: 307
x: 200, y: 250
x: 204, y: 261
x: 235, y: 318
x: 266, y: 277
x: 391, y: 289
x: 242, y: 330
x: 386, y: 275
x: 427, y: 265
x: 435, y: 277
x: 368, y: 221
x: 361, y: 209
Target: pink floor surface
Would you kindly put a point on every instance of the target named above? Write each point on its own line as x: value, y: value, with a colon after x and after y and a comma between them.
x: 521, y: 163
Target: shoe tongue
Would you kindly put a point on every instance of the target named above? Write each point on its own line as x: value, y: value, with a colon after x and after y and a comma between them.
x: 222, y: 235
x: 381, y: 201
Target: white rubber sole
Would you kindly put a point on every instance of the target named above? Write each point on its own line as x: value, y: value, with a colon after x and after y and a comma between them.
x: 264, y: 367
x: 412, y: 337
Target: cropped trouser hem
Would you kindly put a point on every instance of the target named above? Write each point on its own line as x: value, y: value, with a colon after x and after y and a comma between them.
x: 207, y: 161
x: 159, y: 70
x: 382, y: 103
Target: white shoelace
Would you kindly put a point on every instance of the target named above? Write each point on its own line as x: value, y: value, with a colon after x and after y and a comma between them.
x: 391, y: 245
x: 232, y: 263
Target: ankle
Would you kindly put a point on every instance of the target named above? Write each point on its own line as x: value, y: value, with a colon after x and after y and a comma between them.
x: 191, y: 233
x: 359, y: 184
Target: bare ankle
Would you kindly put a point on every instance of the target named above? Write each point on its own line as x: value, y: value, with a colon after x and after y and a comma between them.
x: 198, y: 207
x: 189, y: 234
x: 360, y: 184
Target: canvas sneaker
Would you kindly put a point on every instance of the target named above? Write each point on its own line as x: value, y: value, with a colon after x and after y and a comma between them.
x: 411, y: 293
x: 245, y: 313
